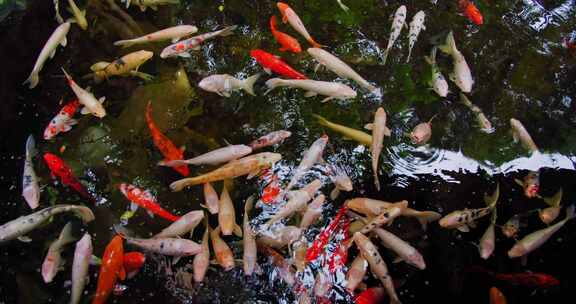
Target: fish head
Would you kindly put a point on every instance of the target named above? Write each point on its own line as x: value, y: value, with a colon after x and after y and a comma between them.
x: 268, y: 159
x: 531, y: 191
x: 32, y: 196
x: 284, y: 134
x: 259, y: 54
x: 315, y: 52
x: 282, y: 7
x: 125, y: 188
x: 171, y: 50
x: 98, y: 110
x: 517, y: 251
x: 417, y: 260
x: 50, y: 131
x: 143, y: 56
x: 211, y: 83
x: 450, y: 220
x: 421, y: 134
x: 346, y: 92
x: 343, y: 182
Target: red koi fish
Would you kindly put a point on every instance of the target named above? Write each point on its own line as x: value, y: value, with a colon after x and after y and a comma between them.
x: 271, y: 191
x: 164, y: 144
x: 146, y: 200
x: 528, y: 279
x: 338, y: 259
x: 324, y: 236
x: 275, y: 64
x: 58, y: 168
x: 63, y: 121
x: 471, y: 11
x: 496, y: 296
x: 133, y: 261
x: 288, y: 42
x: 111, y: 270
x: 371, y: 295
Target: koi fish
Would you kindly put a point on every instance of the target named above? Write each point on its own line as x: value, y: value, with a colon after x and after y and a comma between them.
x: 111, y: 270
x: 310, y: 157
x: 313, y: 212
x: 91, y: 104
x: 289, y: 16
x: 284, y: 269
x: 372, y: 295
x: 127, y: 65
x: 224, y: 255
x: 272, y: 63
x: 536, y: 239
x: 416, y: 25
x: 270, y: 139
x: 174, y: 33
x: 497, y: 297
x: 166, y: 246
x: 377, y: 264
x: 202, y: 259
x: 471, y: 11
x: 299, y: 255
x: 58, y: 37
x: 193, y: 44
x: 224, y: 84
x: 53, y: 260
x: 250, y: 251
x: 133, y: 262
x: 281, y: 237
x: 323, y: 237
x: 531, y: 184
x: 403, y: 249
x: 519, y: 133
x: 379, y: 130
x: 211, y: 198
x: 30, y: 188
x: 227, y: 214
x: 340, y: 68
x: 349, y: 133
x: 214, y: 157
x: 63, y: 121
x: 153, y: 4
x: 271, y: 191
x: 184, y: 224
x: 80, y: 265
x: 19, y: 227
x: 164, y: 144
x: 337, y: 260
x: 511, y: 227
x: 356, y: 273
x: 528, y: 279
x: 422, y: 132
x: 461, y: 74
x: 462, y: 219
x: 437, y: 82
x: 79, y: 15
x: 146, y: 200
x: 333, y: 90
x: 58, y: 168
x: 341, y: 180
x: 484, y: 123
x: 251, y: 165
x: 371, y: 208
x: 397, y: 25
x: 297, y: 201
x: 488, y: 239
x: 548, y: 215
x: 288, y: 42
x: 386, y: 217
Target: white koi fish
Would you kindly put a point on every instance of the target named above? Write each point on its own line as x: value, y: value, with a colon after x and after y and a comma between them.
x: 174, y: 34
x: 91, y: 104
x: 397, y: 25
x: 333, y: 90
x: 297, y: 201
x: 386, y: 217
x: 63, y: 121
x: 422, y: 132
x: 484, y: 123
x: 488, y: 239
x: 183, y: 47
x: 519, y: 133
x: 214, y: 157
x: 224, y: 84
x: 250, y: 252
x: 184, y: 224
x: 58, y: 37
x: 281, y: 237
x: 313, y: 212
x: 379, y: 130
x: 270, y: 139
x: 416, y: 25
x: 312, y: 156
x: 536, y: 239
x: 202, y: 259
x: 80, y: 265
x: 438, y: 82
x: 461, y: 74
x: 290, y: 16
x: 127, y: 65
x: 403, y: 249
x: 153, y: 4
x: 341, y: 69
x: 19, y: 227
x: 227, y: 214
x: 79, y: 15
x: 166, y: 246
x: 53, y: 260
x: 211, y: 198
x: 30, y: 188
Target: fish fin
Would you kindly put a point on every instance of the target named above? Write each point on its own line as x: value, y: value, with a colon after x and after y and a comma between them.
x: 317, y: 67
x: 102, y: 99
x: 33, y: 80
x: 24, y: 239
x: 450, y: 44
x: 124, y: 43
x: 253, y: 174
x: 519, y: 182
x: 66, y: 128
x: 99, y: 66
x: 369, y: 126
x: 472, y: 224
x: 463, y: 228
x: 64, y: 42
x: 248, y: 84
x: 237, y: 230
x: 133, y: 207
x: 284, y: 18
x: 122, y: 273
x: 398, y: 259
x: 176, y: 259
x: 72, y: 122
x: 334, y: 194
x: 387, y: 131
x: 85, y: 111
x: 554, y: 201
x: 326, y: 99
x: 310, y: 94
x: 53, y: 54
x: 491, y: 200
x: 184, y: 55
x: 66, y: 235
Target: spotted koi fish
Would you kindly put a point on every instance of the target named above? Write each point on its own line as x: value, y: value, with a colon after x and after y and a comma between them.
x: 63, y: 121
x: 183, y: 47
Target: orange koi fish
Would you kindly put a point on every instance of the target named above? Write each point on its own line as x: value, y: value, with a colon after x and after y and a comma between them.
x: 164, y: 144
x: 288, y: 42
x: 133, y: 261
x: 111, y: 269
x: 471, y: 11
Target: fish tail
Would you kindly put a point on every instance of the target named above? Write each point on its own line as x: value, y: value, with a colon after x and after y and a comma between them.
x: 66, y: 235
x: 555, y: 200
x: 33, y: 80
x: 125, y: 43
x: 450, y: 44
x: 321, y: 120
x: 569, y: 213
x: 272, y: 84
x: 31, y: 147
x: 179, y: 185
x: 248, y: 84
x: 228, y: 31
x: 273, y: 23
x: 385, y: 56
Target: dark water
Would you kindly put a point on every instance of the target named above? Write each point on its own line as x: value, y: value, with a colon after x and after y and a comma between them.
x: 518, y: 61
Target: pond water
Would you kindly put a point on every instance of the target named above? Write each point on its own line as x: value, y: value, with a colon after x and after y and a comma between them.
x: 521, y: 67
